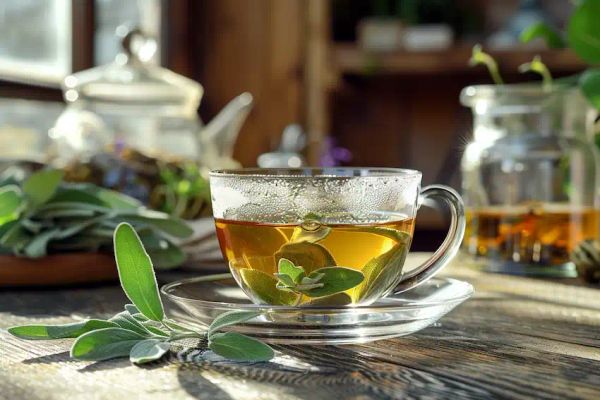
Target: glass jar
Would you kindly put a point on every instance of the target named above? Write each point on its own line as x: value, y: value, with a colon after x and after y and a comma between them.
x: 529, y: 177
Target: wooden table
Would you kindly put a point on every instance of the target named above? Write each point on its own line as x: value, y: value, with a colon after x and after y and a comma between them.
x: 516, y: 338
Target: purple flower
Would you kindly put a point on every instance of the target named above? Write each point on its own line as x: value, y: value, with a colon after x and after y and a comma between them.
x: 332, y: 154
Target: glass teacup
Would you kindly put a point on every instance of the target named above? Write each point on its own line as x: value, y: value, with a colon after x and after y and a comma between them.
x: 325, y: 237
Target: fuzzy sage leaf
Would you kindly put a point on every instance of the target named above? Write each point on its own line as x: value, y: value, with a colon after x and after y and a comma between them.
x: 136, y: 273
x: 71, y: 330
x: 238, y: 347
x: 148, y: 350
x: 41, y: 186
x: 230, y: 318
x: 104, y: 344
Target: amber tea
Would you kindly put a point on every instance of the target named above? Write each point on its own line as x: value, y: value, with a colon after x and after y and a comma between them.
x: 255, y: 251
x: 535, y: 234
x: 325, y: 236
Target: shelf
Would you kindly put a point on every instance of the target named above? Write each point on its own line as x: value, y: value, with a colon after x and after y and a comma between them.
x: 350, y: 59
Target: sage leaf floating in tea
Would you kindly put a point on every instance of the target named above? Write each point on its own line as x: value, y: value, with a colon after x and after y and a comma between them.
x: 382, y: 271
x: 264, y: 287
x: 311, y: 256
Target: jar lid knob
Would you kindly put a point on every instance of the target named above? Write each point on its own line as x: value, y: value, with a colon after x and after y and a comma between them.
x: 137, y: 45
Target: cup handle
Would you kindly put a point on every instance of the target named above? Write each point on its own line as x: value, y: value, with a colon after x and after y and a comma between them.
x: 449, y: 247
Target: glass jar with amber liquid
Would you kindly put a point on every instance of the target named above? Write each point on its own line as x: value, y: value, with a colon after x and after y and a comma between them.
x: 529, y: 178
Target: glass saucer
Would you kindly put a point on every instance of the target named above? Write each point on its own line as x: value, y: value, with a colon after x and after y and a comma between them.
x: 196, y: 302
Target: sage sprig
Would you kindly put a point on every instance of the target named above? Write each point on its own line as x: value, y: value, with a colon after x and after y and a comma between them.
x: 44, y: 215
x: 143, y: 331
x: 321, y: 282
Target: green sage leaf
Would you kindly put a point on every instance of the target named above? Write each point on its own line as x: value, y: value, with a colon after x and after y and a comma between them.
x: 37, y: 247
x: 126, y: 321
x: 75, y: 195
x: 41, y: 186
x: 382, y: 272
x: 230, y: 318
x: 334, y: 280
x: 161, y: 221
x: 589, y: 82
x: 10, y: 203
x: 148, y: 350
x: 104, y: 344
x: 544, y: 31
x: 338, y: 299
x: 583, y: 31
x: 71, y: 330
x: 264, y: 288
x: 310, y: 256
x: 131, y: 309
x: 162, y: 252
x: 303, y: 235
x: 136, y: 273
x: 238, y: 347
x: 286, y: 267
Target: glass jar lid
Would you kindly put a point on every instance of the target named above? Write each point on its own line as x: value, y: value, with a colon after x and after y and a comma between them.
x: 132, y: 81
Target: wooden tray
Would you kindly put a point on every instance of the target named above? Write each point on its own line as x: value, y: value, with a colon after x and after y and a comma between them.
x: 58, y: 269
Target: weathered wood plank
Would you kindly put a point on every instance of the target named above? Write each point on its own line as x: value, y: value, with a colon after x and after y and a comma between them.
x: 517, y: 338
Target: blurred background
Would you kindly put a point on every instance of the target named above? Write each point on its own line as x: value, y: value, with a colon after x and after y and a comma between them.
x: 368, y: 83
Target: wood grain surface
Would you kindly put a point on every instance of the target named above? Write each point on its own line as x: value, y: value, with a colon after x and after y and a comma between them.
x: 516, y: 338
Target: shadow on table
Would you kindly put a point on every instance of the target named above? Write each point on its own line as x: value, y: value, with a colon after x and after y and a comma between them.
x: 296, y: 372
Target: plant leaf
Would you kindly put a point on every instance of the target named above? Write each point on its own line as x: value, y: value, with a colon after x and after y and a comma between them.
x: 382, y: 271
x: 264, y: 287
x: 126, y: 321
x: 14, y: 237
x: 286, y: 267
x: 136, y: 273
x: 162, y: 252
x: 583, y: 31
x: 148, y: 350
x: 338, y: 299
x: 71, y: 330
x: 589, y: 82
x: 161, y: 221
x: 285, y: 280
x: 334, y: 280
x: 104, y: 344
x: 230, y: 318
x: 41, y: 186
x: 10, y: 203
x: 77, y: 195
x: 36, y: 248
x: 116, y: 200
x: 310, y: 256
x: 131, y: 309
x: 304, y: 235
x: 237, y: 347
x: 542, y: 30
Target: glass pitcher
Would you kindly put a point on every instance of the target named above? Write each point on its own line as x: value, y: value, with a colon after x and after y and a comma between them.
x: 529, y: 178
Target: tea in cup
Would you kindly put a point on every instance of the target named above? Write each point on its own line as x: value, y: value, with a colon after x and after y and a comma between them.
x: 325, y: 236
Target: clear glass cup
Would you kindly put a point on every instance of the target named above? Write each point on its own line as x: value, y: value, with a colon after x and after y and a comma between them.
x: 529, y: 177
x: 359, y: 219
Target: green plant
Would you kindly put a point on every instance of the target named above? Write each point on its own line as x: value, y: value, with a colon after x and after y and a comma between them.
x: 143, y: 331
x: 582, y: 35
x: 44, y: 215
